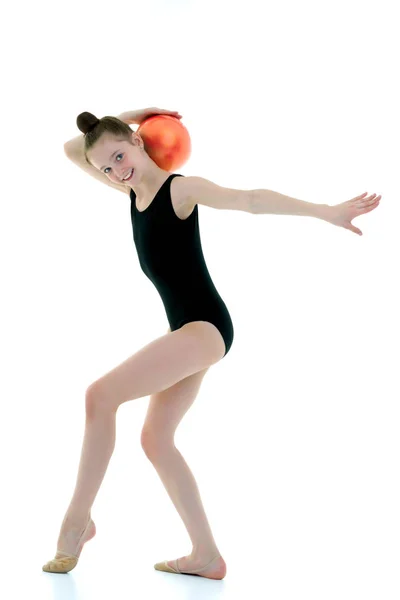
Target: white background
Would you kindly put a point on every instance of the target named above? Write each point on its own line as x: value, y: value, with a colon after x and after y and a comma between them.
x: 294, y: 436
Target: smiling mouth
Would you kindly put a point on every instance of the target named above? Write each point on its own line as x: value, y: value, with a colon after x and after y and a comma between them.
x: 130, y: 176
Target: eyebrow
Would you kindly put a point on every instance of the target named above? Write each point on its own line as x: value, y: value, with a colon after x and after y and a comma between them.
x: 112, y: 155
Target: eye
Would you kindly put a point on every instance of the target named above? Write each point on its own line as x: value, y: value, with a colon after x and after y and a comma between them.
x: 105, y: 170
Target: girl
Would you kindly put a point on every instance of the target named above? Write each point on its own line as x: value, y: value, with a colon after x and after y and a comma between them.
x: 170, y: 369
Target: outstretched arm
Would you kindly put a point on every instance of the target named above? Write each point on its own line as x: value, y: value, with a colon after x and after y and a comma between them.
x: 266, y: 201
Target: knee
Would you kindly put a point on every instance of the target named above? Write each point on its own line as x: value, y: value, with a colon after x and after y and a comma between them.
x: 91, y: 400
x: 155, y: 445
x: 95, y: 400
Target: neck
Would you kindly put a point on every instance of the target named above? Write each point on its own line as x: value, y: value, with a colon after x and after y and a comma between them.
x: 148, y: 184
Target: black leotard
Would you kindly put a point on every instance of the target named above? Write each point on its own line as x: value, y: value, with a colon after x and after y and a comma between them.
x: 170, y: 254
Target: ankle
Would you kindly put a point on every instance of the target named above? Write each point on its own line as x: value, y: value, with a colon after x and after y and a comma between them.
x: 73, y: 517
x: 205, y: 551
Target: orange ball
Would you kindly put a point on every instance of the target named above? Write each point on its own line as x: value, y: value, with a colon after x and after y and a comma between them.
x: 166, y: 141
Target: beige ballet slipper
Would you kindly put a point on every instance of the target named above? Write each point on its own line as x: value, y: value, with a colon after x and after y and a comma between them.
x: 164, y: 566
x: 64, y: 564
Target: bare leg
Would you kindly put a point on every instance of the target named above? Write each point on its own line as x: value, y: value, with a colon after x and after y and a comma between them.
x: 182, y: 488
x: 183, y: 353
x: 97, y: 449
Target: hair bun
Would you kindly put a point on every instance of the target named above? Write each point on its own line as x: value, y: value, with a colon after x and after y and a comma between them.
x: 86, y: 121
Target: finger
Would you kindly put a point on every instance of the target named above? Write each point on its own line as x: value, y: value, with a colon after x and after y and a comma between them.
x: 373, y: 207
x: 165, y: 110
x: 368, y: 201
x: 354, y: 229
x: 173, y: 113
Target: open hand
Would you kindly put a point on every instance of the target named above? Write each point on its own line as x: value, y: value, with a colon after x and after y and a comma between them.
x: 342, y: 214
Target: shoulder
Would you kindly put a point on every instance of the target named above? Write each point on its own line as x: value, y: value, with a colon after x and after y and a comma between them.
x: 197, y: 190
x: 181, y: 198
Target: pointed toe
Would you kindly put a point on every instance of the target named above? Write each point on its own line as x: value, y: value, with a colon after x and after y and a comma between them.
x: 60, y: 565
x: 163, y: 566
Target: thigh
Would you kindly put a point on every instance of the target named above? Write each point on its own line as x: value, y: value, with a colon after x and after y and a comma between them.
x: 159, y: 365
x: 167, y: 408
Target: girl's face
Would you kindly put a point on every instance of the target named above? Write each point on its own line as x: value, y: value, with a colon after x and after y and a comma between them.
x: 116, y: 159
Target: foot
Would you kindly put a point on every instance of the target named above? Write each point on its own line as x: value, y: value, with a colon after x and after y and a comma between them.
x: 212, y: 567
x: 73, y: 536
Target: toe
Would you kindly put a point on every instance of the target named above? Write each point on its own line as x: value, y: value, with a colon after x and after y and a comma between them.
x: 59, y: 565
x: 164, y: 566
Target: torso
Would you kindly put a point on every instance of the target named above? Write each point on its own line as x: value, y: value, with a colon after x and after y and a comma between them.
x: 183, y: 207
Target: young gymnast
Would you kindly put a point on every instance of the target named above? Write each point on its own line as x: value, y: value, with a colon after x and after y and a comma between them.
x: 164, y: 214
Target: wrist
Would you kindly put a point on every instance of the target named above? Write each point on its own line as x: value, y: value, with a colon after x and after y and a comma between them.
x: 324, y: 212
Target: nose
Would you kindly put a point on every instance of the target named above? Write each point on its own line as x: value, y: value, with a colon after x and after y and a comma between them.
x: 120, y: 174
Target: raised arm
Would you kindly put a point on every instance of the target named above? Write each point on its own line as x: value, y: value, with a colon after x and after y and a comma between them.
x: 132, y: 117
x: 75, y: 146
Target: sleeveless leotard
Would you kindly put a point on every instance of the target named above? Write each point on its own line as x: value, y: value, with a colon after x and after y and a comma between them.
x: 170, y: 254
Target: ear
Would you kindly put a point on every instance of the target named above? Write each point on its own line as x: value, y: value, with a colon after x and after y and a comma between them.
x: 137, y: 139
